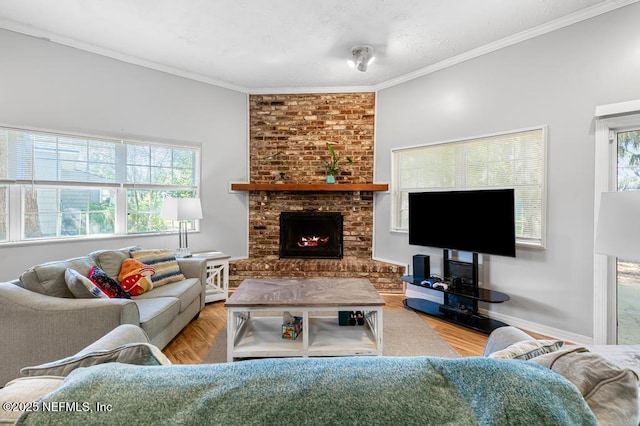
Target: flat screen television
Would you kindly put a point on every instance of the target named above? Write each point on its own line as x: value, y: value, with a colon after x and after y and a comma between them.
x: 481, y: 221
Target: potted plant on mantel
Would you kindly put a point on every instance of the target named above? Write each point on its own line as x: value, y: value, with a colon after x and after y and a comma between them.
x: 332, y: 165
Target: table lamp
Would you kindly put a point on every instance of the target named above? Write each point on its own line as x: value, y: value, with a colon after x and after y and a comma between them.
x: 618, y: 229
x: 182, y: 210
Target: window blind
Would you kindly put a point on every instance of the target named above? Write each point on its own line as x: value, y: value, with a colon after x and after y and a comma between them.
x: 509, y: 160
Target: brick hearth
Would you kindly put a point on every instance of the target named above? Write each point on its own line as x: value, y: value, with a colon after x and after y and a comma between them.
x: 288, y: 136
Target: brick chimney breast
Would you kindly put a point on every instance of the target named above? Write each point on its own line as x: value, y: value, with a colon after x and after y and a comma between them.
x: 287, y: 143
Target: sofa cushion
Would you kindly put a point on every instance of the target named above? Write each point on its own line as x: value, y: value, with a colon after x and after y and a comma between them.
x: 48, y: 278
x: 611, y: 392
x: 186, y: 291
x: 22, y: 392
x: 107, y: 284
x: 165, y: 264
x: 110, y: 261
x: 528, y: 349
x: 82, y: 287
x: 131, y: 353
x: 157, y: 313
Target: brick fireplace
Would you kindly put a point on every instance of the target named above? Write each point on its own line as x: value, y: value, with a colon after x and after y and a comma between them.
x: 288, y: 137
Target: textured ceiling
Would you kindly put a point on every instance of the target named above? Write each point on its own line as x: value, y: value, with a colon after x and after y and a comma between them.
x: 287, y: 45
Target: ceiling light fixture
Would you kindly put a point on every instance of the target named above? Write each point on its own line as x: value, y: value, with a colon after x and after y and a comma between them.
x: 361, y: 57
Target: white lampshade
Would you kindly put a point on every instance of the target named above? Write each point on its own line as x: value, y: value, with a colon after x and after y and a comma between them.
x: 181, y: 209
x: 618, y: 229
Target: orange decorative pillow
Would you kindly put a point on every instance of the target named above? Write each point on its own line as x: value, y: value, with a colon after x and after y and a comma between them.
x: 135, y: 277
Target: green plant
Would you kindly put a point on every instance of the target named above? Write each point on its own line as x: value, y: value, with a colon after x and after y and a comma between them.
x: 332, y: 166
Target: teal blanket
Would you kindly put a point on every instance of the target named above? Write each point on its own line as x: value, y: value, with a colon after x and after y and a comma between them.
x: 317, y: 391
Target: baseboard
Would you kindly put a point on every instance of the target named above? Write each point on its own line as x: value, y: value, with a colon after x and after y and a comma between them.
x: 539, y: 328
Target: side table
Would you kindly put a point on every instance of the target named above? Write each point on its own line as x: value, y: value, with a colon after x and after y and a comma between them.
x: 217, y: 275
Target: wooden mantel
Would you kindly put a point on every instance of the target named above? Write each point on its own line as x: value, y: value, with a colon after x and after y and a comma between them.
x: 317, y: 187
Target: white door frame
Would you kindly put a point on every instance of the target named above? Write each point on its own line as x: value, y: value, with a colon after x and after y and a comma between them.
x: 609, y: 118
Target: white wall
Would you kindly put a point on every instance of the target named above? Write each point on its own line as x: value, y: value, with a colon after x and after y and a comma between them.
x: 556, y: 79
x: 48, y: 86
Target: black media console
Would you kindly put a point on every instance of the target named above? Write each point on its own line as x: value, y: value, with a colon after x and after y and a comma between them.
x: 461, y: 295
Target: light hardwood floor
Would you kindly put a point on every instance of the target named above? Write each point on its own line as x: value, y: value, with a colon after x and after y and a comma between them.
x: 194, y: 342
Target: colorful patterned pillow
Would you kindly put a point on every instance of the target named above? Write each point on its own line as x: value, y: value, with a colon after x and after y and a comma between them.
x: 107, y: 284
x: 165, y: 264
x: 135, y: 277
x: 81, y: 286
x: 528, y: 349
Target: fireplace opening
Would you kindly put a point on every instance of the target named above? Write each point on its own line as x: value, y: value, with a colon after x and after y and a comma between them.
x: 311, y: 235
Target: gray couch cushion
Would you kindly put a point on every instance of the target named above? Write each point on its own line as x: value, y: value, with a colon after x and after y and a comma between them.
x: 186, y: 290
x: 48, y: 278
x: 611, y: 392
x: 111, y: 260
x: 156, y: 314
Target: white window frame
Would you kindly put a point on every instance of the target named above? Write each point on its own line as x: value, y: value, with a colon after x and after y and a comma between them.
x: 15, y: 196
x: 396, y: 196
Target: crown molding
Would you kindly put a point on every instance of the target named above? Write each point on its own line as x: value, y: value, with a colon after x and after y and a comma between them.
x: 590, y: 12
x: 87, y: 47
x: 563, y: 22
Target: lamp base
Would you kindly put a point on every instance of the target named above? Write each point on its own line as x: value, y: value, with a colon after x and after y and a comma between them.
x: 183, y: 252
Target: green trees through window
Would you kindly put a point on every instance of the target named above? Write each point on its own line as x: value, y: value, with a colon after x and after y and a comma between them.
x: 68, y: 186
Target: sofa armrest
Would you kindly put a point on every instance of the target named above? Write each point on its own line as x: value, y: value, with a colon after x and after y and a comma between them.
x: 37, y: 328
x: 193, y: 267
x: 502, y: 337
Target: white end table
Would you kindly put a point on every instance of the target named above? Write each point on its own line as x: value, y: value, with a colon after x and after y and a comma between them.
x: 217, y: 275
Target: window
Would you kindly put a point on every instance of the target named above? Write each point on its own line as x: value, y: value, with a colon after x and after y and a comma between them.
x: 65, y: 186
x: 509, y: 160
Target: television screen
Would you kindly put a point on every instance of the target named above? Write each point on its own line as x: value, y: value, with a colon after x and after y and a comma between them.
x: 481, y: 221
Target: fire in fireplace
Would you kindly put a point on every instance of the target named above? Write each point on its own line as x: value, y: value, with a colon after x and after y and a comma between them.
x: 311, y: 235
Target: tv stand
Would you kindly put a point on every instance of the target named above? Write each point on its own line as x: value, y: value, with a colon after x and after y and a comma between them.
x: 461, y: 298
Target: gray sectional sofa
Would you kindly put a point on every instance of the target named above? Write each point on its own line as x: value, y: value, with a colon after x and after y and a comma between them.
x: 42, y: 320
x: 138, y: 385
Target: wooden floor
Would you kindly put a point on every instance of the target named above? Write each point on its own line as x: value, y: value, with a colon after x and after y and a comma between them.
x: 194, y: 342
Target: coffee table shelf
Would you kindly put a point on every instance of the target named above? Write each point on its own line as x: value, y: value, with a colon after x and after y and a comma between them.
x: 257, y: 336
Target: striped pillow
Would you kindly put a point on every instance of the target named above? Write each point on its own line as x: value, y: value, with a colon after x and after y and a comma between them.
x: 165, y: 264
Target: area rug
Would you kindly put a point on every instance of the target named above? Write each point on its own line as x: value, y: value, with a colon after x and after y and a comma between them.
x: 405, y: 334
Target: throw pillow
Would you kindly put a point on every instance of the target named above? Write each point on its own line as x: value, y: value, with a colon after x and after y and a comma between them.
x: 135, y: 277
x: 165, y: 264
x: 81, y: 286
x: 131, y: 353
x: 107, y: 284
x: 610, y: 392
x: 528, y: 349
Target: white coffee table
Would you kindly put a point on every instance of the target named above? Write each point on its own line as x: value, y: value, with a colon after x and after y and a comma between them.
x: 254, y: 318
